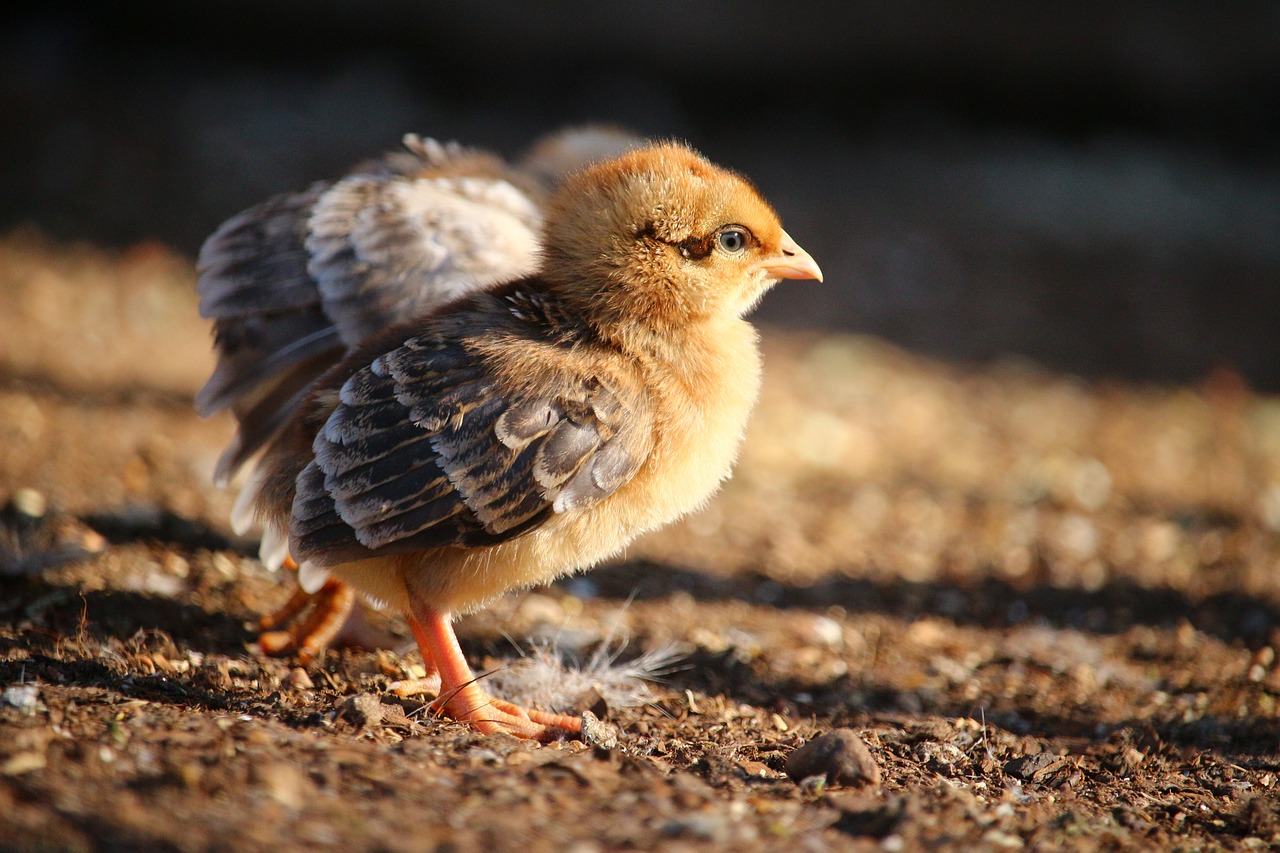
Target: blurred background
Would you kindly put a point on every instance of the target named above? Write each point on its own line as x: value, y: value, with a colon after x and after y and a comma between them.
x: 1095, y: 187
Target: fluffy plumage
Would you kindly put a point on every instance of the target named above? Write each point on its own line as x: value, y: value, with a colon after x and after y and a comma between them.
x: 296, y: 282
x: 535, y: 428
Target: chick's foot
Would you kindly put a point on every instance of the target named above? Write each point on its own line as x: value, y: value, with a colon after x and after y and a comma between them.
x: 328, y: 612
x: 461, y: 697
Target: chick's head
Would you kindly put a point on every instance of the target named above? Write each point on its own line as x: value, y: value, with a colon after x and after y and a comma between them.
x: 662, y: 236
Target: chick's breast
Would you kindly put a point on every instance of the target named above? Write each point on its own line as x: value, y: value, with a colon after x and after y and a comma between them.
x: 691, y: 417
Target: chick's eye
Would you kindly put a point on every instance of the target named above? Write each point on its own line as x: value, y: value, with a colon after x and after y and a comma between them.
x: 732, y: 241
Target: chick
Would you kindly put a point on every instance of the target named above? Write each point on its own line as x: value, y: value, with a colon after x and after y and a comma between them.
x: 294, y: 283
x: 534, y: 429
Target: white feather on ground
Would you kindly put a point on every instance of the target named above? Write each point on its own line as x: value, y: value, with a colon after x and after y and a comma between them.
x: 550, y: 679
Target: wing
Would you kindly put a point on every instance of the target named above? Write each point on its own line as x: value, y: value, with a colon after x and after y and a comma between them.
x: 383, y: 250
x: 255, y: 285
x: 427, y: 449
x: 295, y: 282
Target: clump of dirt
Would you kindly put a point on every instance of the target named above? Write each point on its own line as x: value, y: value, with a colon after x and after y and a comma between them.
x: 1048, y: 610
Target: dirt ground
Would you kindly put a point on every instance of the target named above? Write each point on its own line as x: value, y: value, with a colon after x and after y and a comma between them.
x: 1050, y: 609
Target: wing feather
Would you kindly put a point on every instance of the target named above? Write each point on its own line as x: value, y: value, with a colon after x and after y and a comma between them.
x: 374, y: 242
x: 421, y: 453
x: 255, y: 263
x: 295, y: 282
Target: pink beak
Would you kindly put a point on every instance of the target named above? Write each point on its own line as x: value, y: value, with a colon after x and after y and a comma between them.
x: 791, y: 261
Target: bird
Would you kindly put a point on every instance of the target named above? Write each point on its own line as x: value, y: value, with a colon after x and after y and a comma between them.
x: 533, y: 429
x: 296, y: 282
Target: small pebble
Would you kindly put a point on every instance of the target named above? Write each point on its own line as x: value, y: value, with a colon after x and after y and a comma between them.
x: 821, y: 631
x: 596, y: 732
x: 29, y: 502
x: 893, y: 843
x: 24, y: 697
x: 1034, y: 768
x: 297, y: 679
x: 363, y: 711
x: 839, y: 756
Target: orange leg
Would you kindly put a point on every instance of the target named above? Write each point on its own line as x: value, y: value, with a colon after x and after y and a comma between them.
x: 462, y: 698
x: 331, y: 607
x: 295, y: 605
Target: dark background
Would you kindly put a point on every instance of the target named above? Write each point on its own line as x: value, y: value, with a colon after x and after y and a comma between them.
x: 1096, y: 187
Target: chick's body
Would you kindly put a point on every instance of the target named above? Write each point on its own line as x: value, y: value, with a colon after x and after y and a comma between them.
x: 536, y: 428
x: 686, y: 412
x: 297, y: 282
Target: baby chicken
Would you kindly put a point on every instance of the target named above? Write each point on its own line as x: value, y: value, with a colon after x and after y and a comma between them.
x: 294, y: 283
x: 534, y: 429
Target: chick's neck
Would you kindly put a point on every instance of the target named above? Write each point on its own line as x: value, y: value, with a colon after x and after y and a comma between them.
x: 689, y: 354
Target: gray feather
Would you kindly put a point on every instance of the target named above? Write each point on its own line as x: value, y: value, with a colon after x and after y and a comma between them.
x: 419, y: 455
